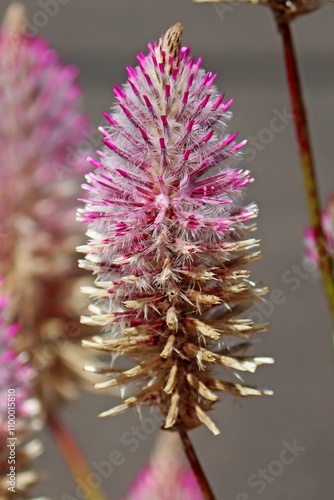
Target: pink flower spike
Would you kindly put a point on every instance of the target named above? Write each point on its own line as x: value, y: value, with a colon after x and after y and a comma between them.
x: 170, y: 245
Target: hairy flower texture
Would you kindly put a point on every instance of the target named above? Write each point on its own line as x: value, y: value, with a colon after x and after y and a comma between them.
x: 283, y: 9
x: 40, y: 123
x: 166, y: 477
x: 328, y: 229
x: 167, y: 238
x: 19, y: 411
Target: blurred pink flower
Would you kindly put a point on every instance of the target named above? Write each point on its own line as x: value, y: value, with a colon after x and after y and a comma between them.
x: 328, y: 228
x: 16, y: 374
x: 151, y: 485
x: 20, y: 412
x: 40, y: 126
x: 167, y: 477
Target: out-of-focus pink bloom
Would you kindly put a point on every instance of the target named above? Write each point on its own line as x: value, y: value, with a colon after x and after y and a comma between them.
x: 41, y: 126
x: 178, y: 484
x: 20, y: 412
x: 327, y: 219
x: 16, y: 375
x: 167, y: 477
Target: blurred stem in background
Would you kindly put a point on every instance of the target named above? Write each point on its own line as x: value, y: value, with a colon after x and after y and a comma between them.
x: 306, y: 159
x: 284, y: 12
x: 72, y: 453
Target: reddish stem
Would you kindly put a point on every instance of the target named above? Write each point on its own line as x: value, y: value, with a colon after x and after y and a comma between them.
x: 71, y: 453
x: 196, y: 466
x: 306, y: 159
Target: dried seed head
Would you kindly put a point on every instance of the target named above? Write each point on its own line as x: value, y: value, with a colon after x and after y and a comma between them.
x: 284, y: 10
x: 170, y: 239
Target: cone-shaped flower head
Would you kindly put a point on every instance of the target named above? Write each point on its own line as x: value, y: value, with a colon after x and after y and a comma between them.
x: 40, y: 125
x: 166, y: 477
x: 167, y: 237
x: 328, y: 229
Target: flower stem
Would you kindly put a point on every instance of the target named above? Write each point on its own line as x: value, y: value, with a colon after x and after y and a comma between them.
x: 306, y: 159
x: 196, y: 466
x: 72, y: 453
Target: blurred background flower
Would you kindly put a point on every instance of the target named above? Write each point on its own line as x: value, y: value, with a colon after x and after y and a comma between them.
x: 41, y: 121
x: 167, y: 476
x: 20, y: 408
x: 328, y: 228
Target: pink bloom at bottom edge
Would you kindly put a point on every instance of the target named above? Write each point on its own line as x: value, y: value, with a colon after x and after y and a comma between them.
x: 150, y: 485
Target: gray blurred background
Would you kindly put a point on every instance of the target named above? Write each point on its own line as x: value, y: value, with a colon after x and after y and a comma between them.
x: 240, y: 43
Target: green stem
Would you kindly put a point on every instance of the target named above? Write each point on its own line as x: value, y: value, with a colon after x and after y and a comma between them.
x: 72, y: 453
x: 196, y: 466
x: 306, y: 160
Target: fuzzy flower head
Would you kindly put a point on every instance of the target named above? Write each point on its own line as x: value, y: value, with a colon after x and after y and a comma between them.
x: 40, y: 124
x: 327, y: 220
x: 167, y: 238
